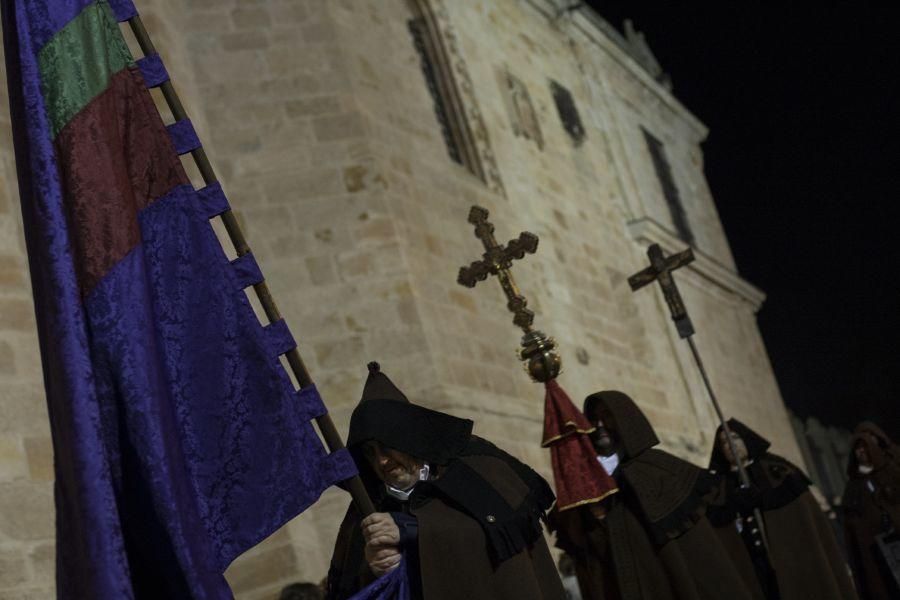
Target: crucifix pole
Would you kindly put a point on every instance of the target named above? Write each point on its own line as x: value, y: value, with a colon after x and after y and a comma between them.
x: 661, y: 270
x: 543, y: 362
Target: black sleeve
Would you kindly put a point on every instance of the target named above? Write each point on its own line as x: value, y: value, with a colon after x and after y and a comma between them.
x: 409, y: 528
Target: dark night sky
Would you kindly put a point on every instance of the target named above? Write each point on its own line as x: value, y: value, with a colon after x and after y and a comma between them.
x: 802, y: 108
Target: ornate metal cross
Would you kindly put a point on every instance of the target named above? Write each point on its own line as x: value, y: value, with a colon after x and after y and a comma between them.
x: 660, y: 269
x: 538, y: 350
x: 498, y: 261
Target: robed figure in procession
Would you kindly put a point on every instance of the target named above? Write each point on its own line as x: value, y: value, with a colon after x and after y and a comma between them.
x: 462, y: 516
x: 650, y: 540
x: 803, y: 559
x: 871, y: 507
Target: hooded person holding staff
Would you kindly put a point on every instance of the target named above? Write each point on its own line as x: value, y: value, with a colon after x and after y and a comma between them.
x: 803, y: 558
x: 460, y: 515
x: 650, y: 540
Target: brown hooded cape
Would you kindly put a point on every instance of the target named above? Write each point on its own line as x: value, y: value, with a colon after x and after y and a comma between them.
x: 654, y: 542
x: 478, y: 516
x: 803, y: 550
x: 871, y: 504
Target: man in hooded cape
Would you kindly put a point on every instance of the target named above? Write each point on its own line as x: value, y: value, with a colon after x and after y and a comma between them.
x: 871, y: 507
x: 469, y: 528
x: 651, y: 540
x: 803, y: 559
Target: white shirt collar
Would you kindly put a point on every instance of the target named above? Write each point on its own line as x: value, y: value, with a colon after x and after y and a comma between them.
x: 609, y: 463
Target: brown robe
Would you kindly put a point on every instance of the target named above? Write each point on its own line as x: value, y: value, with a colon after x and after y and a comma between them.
x: 477, y: 517
x: 454, y: 558
x: 654, y: 542
x: 803, y: 550
x: 871, y: 504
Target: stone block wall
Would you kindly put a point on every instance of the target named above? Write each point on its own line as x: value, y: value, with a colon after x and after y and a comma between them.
x: 318, y: 121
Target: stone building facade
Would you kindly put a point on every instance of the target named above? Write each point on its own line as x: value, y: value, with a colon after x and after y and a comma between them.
x: 826, y: 450
x: 352, y: 136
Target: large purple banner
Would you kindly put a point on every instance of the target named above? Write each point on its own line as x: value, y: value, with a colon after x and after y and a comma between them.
x: 179, y: 439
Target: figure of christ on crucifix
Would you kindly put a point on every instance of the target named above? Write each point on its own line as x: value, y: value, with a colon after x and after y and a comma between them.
x: 660, y: 269
x: 497, y: 260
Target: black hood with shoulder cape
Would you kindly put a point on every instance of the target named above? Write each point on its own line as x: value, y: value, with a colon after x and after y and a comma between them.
x: 778, y: 480
x: 386, y: 415
x: 446, y: 443
x: 879, y: 446
x: 757, y: 446
x: 669, y: 491
x: 885, y: 457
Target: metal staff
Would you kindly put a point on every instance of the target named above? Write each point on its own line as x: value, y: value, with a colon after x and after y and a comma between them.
x: 326, y: 425
x: 661, y: 269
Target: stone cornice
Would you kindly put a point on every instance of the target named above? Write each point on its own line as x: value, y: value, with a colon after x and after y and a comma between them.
x: 597, y: 30
x: 646, y: 231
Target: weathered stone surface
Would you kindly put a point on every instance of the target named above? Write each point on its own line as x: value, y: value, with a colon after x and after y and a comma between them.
x: 43, y: 562
x: 26, y: 510
x: 13, y: 570
x: 289, y: 13
x: 293, y: 186
x: 313, y: 107
x: 30, y: 592
x: 22, y: 408
x: 7, y: 359
x: 335, y: 354
x: 251, y: 18
x: 245, y: 40
x: 321, y: 269
x: 16, y: 314
x: 39, y: 451
x: 13, y: 463
x: 12, y: 272
x: 339, y: 127
x: 261, y: 569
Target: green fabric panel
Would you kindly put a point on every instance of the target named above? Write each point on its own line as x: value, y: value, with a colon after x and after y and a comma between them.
x: 77, y: 63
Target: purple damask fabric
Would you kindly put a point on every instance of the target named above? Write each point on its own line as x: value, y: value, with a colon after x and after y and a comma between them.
x: 179, y: 441
x: 391, y: 586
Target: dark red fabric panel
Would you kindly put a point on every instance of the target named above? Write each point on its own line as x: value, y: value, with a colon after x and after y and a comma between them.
x: 115, y: 158
x: 579, y: 477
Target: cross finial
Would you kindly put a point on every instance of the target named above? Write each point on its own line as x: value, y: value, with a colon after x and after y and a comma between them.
x: 497, y: 260
x: 660, y: 269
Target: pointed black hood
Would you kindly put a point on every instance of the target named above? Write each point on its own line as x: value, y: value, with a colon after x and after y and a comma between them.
x: 385, y: 414
x: 380, y: 387
x: 756, y: 445
x: 632, y: 429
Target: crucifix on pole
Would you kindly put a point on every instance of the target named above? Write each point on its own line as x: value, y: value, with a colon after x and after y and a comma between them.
x: 497, y: 260
x: 661, y: 270
x: 579, y: 477
x: 537, y: 349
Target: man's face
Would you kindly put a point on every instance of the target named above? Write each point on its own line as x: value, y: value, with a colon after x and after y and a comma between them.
x: 862, y: 455
x: 739, y: 447
x: 397, y: 469
x: 603, y: 438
